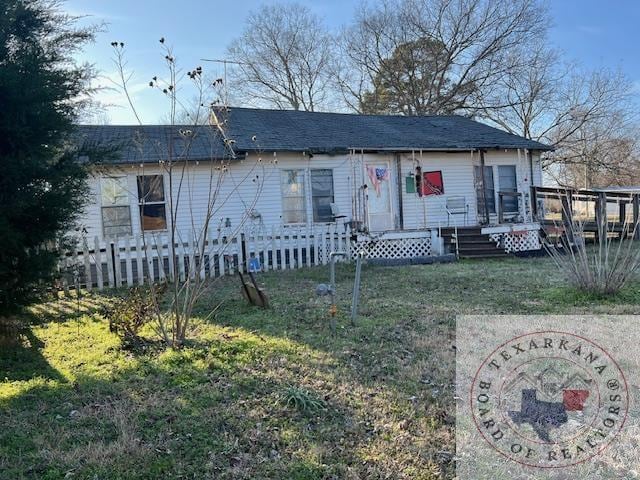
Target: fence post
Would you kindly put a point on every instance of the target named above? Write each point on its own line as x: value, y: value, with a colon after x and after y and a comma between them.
x: 636, y: 216
x: 299, y: 263
x: 88, y: 281
x: 325, y: 249
x: 181, y: 255
x: 316, y: 246
x: 148, y: 251
x: 292, y: 246
x: 241, y: 250
x: 601, y: 216
x: 221, y: 244
x: 110, y: 264
x: 567, y: 214
x: 191, y: 248
x: 98, y: 256
x: 265, y: 250
x: 139, y: 258
x: 307, y: 255
x: 116, y: 262
x: 202, y: 248
x: 622, y: 216
x: 283, y: 256
x: 210, y: 256
x: 171, y: 257
x: 127, y: 259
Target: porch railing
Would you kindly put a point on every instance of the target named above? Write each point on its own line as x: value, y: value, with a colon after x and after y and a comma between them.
x: 601, y: 212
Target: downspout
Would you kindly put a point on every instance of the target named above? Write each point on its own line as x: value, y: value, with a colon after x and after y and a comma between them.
x: 484, y: 189
x: 530, y: 157
x: 399, y: 182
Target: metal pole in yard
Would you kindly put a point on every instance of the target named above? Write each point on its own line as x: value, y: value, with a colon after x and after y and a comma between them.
x: 356, y: 288
x: 333, y: 310
x: 113, y: 263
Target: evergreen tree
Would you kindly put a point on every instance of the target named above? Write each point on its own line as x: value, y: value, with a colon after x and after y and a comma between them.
x: 412, y: 81
x: 42, y: 183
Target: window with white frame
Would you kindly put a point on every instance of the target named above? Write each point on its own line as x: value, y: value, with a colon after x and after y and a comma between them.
x: 151, y: 198
x: 116, y: 211
x: 293, y: 197
x: 322, y: 194
x: 508, y: 182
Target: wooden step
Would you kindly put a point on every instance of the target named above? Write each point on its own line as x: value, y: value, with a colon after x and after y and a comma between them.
x: 498, y: 254
x: 490, y: 247
x: 472, y: 243
x: 471, y: 239
x: 461, y: 230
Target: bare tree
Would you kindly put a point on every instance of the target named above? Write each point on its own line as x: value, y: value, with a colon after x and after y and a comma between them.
x: 467, y: 44
x: 284, y: 55
x: 588, y: 116
x: 599, y: 153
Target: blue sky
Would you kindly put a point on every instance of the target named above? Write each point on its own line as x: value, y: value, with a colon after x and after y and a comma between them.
x: 592, y: 32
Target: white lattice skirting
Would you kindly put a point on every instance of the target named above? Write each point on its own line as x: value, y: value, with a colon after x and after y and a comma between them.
x: 516, y: 241
x: 394, y: 248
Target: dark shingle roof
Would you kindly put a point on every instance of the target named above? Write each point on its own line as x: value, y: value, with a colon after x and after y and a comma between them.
x: 288, y: 130
x: 150, y: 143
x: 326, y: 132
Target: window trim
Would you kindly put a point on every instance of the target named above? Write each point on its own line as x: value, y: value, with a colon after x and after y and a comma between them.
x: 101, y: 182
x: 303, y: 196
x: 142, y: 203
x: 500, y: 188
x: 332, y: 196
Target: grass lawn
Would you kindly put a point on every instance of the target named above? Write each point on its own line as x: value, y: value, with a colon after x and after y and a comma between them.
x: 266, y: 394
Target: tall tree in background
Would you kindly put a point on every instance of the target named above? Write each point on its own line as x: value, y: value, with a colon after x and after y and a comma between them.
x: 437, y: 55
x: 404, y: 82
x: 41, y: 182
x: 284, y: 55
x: 588, y: 116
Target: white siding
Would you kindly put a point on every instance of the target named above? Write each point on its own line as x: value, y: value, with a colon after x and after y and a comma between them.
x: 240, y: 200
x: 249, y: 191
x: 457, y: 176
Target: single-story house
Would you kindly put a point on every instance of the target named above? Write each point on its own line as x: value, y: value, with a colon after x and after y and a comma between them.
x: 377, y: 176
x: 378, y: 173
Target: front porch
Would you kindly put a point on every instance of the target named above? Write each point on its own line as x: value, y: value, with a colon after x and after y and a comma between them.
x: 473, y: 241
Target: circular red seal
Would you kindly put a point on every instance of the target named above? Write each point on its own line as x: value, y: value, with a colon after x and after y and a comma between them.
x: 549, y: 399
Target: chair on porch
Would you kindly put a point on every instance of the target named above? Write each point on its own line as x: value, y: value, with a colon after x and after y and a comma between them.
x: 457, y: 206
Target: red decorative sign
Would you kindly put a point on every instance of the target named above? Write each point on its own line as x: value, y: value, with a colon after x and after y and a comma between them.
x: 433, y: 184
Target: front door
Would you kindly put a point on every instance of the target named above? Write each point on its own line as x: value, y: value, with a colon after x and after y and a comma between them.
x: 379, y: 212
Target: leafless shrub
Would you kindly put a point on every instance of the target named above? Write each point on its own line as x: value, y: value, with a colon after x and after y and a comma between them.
x: 129, y: 314
x: 601, y: 268
x: 207, y: 123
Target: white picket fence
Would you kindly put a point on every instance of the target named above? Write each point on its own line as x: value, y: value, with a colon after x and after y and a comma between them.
x: 134, y: 260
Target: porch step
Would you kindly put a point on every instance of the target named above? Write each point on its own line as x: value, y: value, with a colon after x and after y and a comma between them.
x: 461, y: 230
x: 498, y: 254
x: 468, y: 238
x: 479, y: 247
x: 472, y: 243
